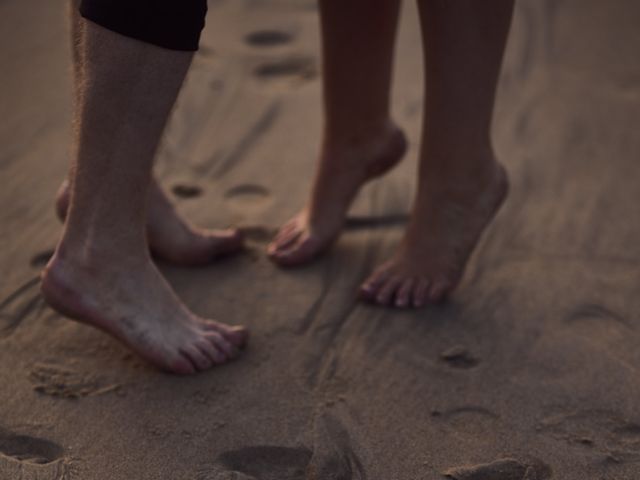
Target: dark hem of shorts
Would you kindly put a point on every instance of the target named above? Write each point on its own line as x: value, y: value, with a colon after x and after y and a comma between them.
x: 171, y: 24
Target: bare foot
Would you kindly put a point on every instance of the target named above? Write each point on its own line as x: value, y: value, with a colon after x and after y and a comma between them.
x: 170, y: 236
x: 445, y: 226
x: 343, y: 170
x: 135, y: 304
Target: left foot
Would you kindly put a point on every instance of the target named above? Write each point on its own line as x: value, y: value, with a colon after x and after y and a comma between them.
x: 343, y: 170
x: 170, y: 236
x: 446, y: 224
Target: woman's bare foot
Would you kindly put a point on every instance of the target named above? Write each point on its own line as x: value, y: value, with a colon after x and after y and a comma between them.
x: 343, y: 170
x: 170, y: 236
x: 448, y: 219
x: 131, y: 300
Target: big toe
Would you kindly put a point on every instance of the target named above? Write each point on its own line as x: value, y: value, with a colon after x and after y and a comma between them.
x: 304, y: 249
x: 387, y: 292
x: 369, y: 289
x: 285, y: 238
x: 199, y: 358
x: 237, y: 335
x: 178, y: 364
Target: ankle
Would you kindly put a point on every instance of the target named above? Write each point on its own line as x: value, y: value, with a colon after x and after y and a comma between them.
x: 367, y: 156
x: 452, y: 163
x: 462, y: 185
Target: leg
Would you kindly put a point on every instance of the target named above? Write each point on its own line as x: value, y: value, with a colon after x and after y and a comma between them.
x: 170, y: 236
x: 77, y: 39
x: 360, y: 141
x: 461, y: 186
x: 101, y: 272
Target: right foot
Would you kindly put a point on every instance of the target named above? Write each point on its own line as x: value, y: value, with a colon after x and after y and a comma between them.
x: 136, y: 305
x: 170, y: 236
x: 343, y: 170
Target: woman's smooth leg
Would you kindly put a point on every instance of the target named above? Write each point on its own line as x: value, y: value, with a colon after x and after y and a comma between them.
x: 360, y: 140
x: 460, y: 184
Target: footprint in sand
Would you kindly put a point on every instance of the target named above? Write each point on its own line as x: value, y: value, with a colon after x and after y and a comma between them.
x: 261, y: 463
x: 459, y: 357
x: 60, y: 382
x: 279, y: 463
x: 287, y: 72
x: 186, y: 191
x: 332, y: 457
x: 611, y: 436
x: 268, y: 38
x: 30, y: 458
x: 502, y: 469
x: 468, y: 420
x: 19, y: 305
x: 598, y: 322
x: 247, y: 198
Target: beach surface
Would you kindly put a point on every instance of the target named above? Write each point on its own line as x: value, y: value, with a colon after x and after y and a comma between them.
x: 529, y: 372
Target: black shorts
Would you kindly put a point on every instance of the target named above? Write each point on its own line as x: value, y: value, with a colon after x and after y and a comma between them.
x: 173, y: 24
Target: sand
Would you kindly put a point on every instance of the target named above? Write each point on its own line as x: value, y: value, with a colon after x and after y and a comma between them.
x: 529, y: 372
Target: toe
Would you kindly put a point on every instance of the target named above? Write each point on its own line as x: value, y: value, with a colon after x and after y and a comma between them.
x: 229, y: 350
x: 302, y: 250
x: 180, y: 365
x: 387, y: 291
x: 403, y: 295
x: 420, y: 292
x: 199, y: 359
x: 237, y: 335
x: 283, y: 244
x: 286, y: 229
x: 370, y: 287
x: 285, y: 237
x: 210, y: 349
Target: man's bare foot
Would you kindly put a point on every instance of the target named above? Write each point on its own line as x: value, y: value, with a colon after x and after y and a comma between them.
x: 445, y: 226
x: 135, y: 304
x: 343, y: 170
x: 170, y: 236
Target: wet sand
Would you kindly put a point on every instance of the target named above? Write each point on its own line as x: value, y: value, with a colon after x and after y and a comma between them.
x: 529, y: 372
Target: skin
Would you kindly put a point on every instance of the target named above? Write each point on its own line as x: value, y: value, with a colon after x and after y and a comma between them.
x: 102, y: 273
x: 171, y: 237
x: 461, y: 186
x: 360, y: 141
